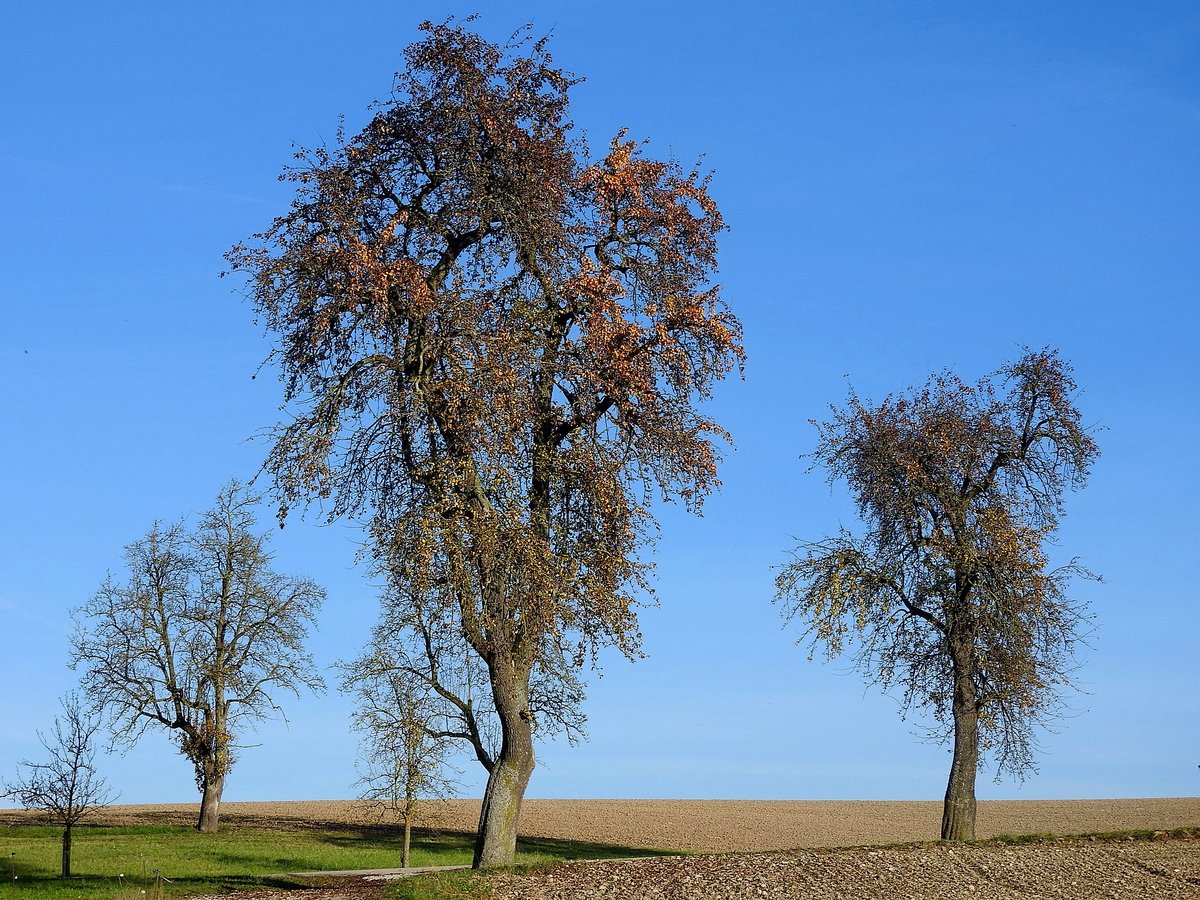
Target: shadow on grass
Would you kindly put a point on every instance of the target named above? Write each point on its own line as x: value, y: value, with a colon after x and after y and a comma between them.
x: 564, y: 849
x: 54, y: 888
x: 241, y: 858
x: 378, y: 837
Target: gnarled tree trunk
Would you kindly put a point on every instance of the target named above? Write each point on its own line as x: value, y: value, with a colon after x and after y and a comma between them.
x: 958, y: 813
x: 210, y: 798
x: 496, y: 840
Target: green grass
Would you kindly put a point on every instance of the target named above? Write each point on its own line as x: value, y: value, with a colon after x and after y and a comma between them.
x: 1138, y: 834
x: 166, y: 861
x: 444, y: 886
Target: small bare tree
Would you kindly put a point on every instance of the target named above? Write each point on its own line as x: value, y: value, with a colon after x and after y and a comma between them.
x: 198, y: 639
x: 66, y: 785
x: 405, y: 744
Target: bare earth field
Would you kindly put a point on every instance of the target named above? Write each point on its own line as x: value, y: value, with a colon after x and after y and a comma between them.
x: 744, y: 826
x: 1143, y: 870
x: 797, y: 850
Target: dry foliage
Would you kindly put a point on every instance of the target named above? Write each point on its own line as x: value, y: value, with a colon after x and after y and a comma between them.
x: 949, y: 593
x: 491, y: 347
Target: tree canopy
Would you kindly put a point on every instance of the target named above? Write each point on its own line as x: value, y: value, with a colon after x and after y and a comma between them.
x: 949, y: 593
x: 492, y: 347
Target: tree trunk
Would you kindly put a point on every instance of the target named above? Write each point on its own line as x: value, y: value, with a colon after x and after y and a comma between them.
x: 496, y: 840
x: 66, y: 852
x: 210, y: 799
x: 404, y: 856
x: 958, y: 813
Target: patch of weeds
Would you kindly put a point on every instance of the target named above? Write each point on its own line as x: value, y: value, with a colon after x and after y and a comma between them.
x: 1019, y: 839
x: 1189, y: 832
x: 459, y: 885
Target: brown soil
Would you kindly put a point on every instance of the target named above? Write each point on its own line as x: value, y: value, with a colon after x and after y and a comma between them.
x: 726, y: 825
x: 1124, y: 870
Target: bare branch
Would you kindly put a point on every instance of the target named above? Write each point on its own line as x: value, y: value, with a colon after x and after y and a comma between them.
x: 65, y: 785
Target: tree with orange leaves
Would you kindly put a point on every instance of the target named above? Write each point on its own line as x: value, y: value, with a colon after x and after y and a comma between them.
x: 492, y: 349
x: 949, y: 593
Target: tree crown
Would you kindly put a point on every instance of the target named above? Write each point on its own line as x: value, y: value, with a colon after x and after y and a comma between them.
x: 66, y: 784
x: 960, y: 487
x: 200, y: 636
x: 492, y: 346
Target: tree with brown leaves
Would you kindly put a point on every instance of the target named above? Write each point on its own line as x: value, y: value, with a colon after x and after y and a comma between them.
x: 199, y: 639
x: 492, y: 348
x: 949, y: 593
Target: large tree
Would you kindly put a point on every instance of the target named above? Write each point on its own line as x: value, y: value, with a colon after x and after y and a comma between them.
x: 949, y: 592
x: 65, y: 784
x: 199, y: 640
x: 491, y: 348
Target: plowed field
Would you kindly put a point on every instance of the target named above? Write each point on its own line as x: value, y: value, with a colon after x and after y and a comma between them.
x: 1139, y: 870
x: 734, y: 825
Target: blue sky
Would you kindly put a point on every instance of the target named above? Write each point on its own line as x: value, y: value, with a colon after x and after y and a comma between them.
x: 909, y: 187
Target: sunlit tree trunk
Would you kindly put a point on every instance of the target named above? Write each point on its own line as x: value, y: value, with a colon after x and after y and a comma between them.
x: 958, y: 814
x: 214, y: 762
x: 410, y: 811
x: 210, y: 799
x: 496, y: 840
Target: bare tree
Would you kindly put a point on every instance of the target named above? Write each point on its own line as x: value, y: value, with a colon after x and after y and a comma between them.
x: 405, y: 741
x: 66, y: 786
x: 949, y: 593
x: 199, y: 639
x: 492, y: 349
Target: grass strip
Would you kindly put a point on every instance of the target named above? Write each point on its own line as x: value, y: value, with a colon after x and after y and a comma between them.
x: 158, y: 862
x: 1187, y: 832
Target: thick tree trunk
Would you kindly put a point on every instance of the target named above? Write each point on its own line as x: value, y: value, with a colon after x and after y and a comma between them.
x: 496, y: 840
x: 210, y: 801
x: 404, y: 856
x: 66, y: 852
x: 958, y: 813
